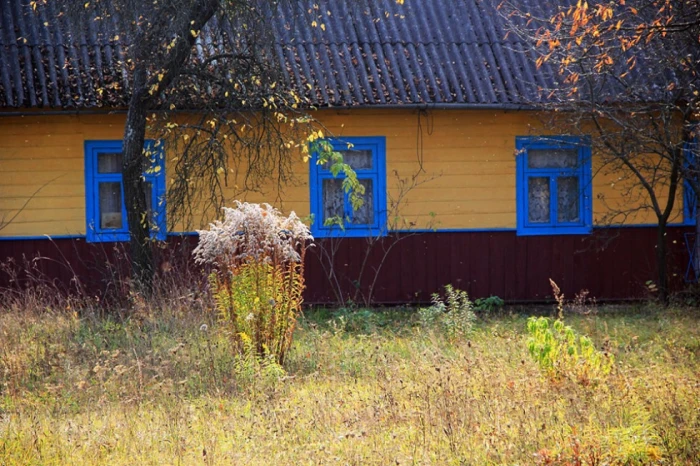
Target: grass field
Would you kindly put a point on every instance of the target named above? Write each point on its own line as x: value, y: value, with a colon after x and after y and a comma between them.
x: 360, y: 388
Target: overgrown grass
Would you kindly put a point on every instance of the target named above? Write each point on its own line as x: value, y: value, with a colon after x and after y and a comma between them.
x: 361, y: 388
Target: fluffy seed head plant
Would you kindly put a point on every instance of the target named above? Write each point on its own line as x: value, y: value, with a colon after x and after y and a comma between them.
x: 258, y: 257
x: 252, y: 232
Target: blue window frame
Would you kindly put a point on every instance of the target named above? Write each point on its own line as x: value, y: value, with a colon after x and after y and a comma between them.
x: 692, y: 166
x: 367, y: 156
x: 104, y: 189
x: 553, y: 185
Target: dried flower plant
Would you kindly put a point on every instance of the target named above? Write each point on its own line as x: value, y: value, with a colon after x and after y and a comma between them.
x: 258, y: 257
x: 252, y: 232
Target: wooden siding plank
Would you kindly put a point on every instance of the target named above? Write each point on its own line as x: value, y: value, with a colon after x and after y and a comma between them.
x: 40, y: 228
x: 521, y: 256
x: 509, y: 266
x: 497, y: 265
x: 61, y: 164
x: 479, y: 264
x: 55, y: 189
x: 39, y: 203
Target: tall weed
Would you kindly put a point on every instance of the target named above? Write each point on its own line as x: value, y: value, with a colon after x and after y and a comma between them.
x: 453, y: 315
x: 258, y: 278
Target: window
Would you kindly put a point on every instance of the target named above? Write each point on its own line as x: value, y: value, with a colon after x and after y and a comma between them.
x: 692, y: 150
x: 367, y: 156
x: 105, y: 207
x: 553, y: 186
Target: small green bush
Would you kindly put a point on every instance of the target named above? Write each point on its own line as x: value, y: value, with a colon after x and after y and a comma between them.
x: 361, y: 321
x: 488, y: 305
x: 453, y: 315
x: 560, y: 352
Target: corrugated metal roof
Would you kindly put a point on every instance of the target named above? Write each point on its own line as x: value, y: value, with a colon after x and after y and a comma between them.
x: 359, y: 53
x: 378, y: 52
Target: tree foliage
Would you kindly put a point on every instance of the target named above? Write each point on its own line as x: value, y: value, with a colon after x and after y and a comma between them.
x: 202, y: 78
x: 625, y: 71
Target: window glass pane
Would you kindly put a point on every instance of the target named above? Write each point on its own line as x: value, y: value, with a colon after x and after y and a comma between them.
x: 110, y: 205
x: 552, y: 158
x: 358, y: 159
x: 690, y: 200
x: 538, y: 199
x: 365, y: 214
x: 333, y: 199
x: 109, y: 163
x: 567, y: 199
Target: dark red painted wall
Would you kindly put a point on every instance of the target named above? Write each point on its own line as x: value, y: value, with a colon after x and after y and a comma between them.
x: 612, y: 264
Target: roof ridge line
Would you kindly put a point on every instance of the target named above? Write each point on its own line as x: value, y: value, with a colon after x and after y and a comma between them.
x: 393, y: 42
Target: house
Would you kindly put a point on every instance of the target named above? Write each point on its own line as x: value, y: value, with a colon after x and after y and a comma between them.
x: 431, y: 91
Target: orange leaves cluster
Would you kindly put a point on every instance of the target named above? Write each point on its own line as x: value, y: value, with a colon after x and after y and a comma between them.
x: 599, y: 30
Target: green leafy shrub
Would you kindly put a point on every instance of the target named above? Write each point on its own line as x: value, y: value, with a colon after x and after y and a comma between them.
x: 258, y: 279
x: 453, y: 314
x: 361, y: 321
x: 488, y: 305
x: 560, y: 352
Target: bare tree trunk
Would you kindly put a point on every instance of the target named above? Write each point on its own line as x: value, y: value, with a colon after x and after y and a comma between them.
x: 661, y: 260
x: 133, y: 165
x: 661, y: 240
x: 134, y: 162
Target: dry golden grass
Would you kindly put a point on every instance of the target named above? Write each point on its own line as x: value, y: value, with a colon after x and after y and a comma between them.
x: 364, y: 388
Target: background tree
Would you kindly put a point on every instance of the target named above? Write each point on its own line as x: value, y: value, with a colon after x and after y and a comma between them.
x: 200, y: 77
x: 625, y: 72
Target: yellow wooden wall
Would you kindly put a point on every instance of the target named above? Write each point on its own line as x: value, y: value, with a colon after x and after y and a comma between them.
x: 468, y: 161
x: 42, y: 165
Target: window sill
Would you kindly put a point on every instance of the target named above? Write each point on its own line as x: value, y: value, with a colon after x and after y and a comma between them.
x: 348, y: 232
x: 116, y: 237
x: 549, y: 231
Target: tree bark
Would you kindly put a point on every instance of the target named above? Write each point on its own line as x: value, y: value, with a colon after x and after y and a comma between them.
x: 133, y: 165
x: 661, y: 240
x: 133, y: 161
x: 661, y: 261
